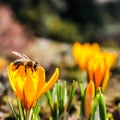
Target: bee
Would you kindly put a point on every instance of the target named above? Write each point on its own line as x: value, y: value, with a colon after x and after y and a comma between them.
x: 24, y: 61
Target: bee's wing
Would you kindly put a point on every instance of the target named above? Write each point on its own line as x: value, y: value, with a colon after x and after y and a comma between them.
x: 23, y: 56
x: 20, y: 61
x: 26, y: 56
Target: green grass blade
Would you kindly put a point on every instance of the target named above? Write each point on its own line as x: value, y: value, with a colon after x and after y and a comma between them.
x: 102, y: 107
x: 72, y: 92
x: 21, y: 110
x: 13, y: 109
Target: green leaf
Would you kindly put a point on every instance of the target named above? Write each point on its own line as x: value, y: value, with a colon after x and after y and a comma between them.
x: 36, y: 110
x: 102, y: 107
x: 71, y: 94
x: 94, y: 107
x: 82, y: 94
x: 21, y: 110
x: 13, y: 109
x: 50, y: 100
x: 65, y: 97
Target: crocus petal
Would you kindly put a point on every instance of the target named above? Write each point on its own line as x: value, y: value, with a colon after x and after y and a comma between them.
x: 50, y: 83
x: 90, y: 69
x: 95, y: 47
x: 41, y: 78
x: 28, y: 93
x: 99, y: 69
x: 83, y: 53
x: 88, y: 101
x: 106, y: 79
x: 41, y: 82
x: 11, y: 75
x: 110, y: 58
x: 76, y: 48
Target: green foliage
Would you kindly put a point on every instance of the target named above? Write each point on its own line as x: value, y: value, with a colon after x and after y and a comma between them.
x: 58, y: 99
x: 98, y: 107
x: 61, y: 30
x: 21, y: 113
x: 99, y: 102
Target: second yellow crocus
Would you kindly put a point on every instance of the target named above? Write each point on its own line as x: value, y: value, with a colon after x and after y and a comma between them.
x: 83, y: 52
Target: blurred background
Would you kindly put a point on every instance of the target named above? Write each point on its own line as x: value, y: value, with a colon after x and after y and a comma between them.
x: 60, y: 20
x: 46, y: 29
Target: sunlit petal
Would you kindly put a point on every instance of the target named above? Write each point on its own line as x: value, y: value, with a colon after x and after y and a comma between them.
x: 106, y: 79
x: 11, y: 75
x: 40, y: 82
x: 90, y: 69
x: 28, y: 93
x: 50, y: 83
x: 88, y: 101
x: 83, y: 53
x: 99, y: 69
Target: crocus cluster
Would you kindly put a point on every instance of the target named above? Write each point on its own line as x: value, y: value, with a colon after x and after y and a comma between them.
x: 97, y: 62
x: 83, y: 52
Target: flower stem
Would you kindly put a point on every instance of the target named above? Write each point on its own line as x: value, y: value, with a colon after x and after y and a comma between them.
x: 27, y: 114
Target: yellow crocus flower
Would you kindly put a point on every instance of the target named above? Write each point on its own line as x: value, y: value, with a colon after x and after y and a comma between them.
x: 29, y: 85
x: 98, y: 71
x: 99, y: 68
x: 83, y: 52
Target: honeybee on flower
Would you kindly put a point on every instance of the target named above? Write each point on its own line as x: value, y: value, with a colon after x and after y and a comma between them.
x: 27, y: 79
x: 25, y: 61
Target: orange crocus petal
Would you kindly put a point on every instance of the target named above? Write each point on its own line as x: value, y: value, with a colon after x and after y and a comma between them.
x: 106, y: 79
x: 88, y: 101
x: 96, y: 47
x: 76, y: 50
x: 99, y: 69
x: 79, y: 54
x: 76, y: 47
x: 110, y: 58
x: 90, y: 69
x: 19, y: 93
x: 83, y: 53
x: 11, y: 75
x: 28, y: 93
x: 41, y: 82
x: 50, y: 83
x: 83, y: 61
x: 41, y: 78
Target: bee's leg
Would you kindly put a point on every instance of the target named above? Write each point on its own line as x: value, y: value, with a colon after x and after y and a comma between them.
x: 32, y: 69
x: 25, y: 69
x: 17, y: 66
x: 35, y: 66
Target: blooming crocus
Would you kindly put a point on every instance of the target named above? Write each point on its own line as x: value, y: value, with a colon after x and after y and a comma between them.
x: 98, y: 71
x: 83, y: 52
x: 30, y: 84
x: 88, y: 100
